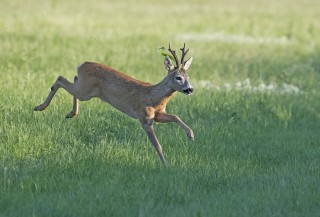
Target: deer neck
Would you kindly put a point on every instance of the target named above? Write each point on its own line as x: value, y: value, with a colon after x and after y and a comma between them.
x: 161, y: 93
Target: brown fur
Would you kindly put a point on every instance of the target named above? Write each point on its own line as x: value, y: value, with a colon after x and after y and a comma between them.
x: 139, y: 100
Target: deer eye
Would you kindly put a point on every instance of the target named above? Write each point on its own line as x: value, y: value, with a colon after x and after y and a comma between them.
x: 178, y: 78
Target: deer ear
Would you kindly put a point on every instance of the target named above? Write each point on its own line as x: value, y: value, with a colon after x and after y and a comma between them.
x: 168, y: 64
x: 187, y: 64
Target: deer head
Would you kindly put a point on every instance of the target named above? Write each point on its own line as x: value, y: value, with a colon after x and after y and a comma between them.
x: 179, y: 79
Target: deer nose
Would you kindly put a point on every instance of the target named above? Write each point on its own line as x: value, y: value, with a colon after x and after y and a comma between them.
x: 188, y: 90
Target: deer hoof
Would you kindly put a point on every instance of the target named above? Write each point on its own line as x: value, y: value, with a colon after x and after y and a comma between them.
x: 40, y: 108
x: 71, y: 115
x: 164, y: 162
x: 190, y: 135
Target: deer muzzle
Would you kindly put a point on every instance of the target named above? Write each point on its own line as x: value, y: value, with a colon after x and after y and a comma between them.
x: 188, y: 91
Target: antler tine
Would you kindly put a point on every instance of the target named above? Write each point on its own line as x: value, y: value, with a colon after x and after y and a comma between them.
x: 173, y: 52
x: 184, y: 52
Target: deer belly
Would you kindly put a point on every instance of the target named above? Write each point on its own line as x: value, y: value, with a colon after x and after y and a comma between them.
x: 124, y: 105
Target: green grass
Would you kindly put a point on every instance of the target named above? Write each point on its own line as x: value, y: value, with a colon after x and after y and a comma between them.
x: 256, y: 152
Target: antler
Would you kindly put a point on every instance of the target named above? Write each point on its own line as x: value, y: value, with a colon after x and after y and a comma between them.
x: 184, y: 53
x: 173, y: 52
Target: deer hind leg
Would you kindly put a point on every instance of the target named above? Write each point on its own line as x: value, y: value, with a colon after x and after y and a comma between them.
x: 75, y: 108
x: 60, y: 82
x: 165, y: 118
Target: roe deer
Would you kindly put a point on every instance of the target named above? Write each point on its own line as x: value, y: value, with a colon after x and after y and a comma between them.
x: 139, y: 100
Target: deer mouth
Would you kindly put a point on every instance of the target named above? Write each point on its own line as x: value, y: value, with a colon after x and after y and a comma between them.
x: 188, y: 91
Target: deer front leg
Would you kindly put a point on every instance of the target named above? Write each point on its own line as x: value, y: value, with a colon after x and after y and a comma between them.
x: 148, y: 128
x: 165, y: 118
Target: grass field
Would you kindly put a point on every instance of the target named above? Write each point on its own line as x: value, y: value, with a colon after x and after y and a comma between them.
x: 255, y: 111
